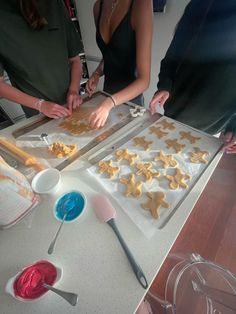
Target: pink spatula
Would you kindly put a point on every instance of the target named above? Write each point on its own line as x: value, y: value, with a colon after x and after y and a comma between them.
x: 106, y: 213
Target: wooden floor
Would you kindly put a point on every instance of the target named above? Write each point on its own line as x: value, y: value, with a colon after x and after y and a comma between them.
x: 211, y: 228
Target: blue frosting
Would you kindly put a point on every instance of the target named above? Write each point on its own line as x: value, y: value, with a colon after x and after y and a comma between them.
x: 73, y: 203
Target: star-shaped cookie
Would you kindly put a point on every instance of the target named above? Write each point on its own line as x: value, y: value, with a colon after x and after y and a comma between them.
x: 156, y: 200
x: 167, y: 160
x: 132, y: 188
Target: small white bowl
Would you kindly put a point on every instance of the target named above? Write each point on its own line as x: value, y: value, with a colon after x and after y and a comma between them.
x: 46, y: 181
x: 10, y: 284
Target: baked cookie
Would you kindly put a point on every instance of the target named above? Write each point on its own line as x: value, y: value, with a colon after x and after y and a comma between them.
x: 106, y: 166
x: 156, y: 200
x: 178, y: 179
x: 123, y: 154
x: 167, y: 125
x: 175, y: 145
x: 188, y: 136
x: 157, y: 131
x: 198, y: 156
x: 147, y: 171
x: 61, y: 150
x: 140, y: 141
x: 167, y: 160
x: 132, y: 188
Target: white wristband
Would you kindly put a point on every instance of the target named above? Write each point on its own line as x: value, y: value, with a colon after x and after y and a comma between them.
x: 38, y: 104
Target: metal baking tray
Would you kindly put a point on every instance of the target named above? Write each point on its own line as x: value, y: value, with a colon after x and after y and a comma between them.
x: 85, y: 142
x: 174, y: 198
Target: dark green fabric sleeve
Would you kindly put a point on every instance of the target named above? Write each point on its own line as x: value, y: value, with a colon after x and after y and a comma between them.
x: 74, y: 44
x: 1, y: 69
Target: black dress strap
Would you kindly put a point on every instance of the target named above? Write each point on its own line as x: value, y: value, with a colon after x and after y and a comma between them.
x: 131, y: 5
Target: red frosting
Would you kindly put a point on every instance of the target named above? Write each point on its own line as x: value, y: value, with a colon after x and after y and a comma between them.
x: 28, y: 285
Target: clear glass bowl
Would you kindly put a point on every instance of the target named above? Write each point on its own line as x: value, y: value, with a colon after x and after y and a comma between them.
x: 196, y: 286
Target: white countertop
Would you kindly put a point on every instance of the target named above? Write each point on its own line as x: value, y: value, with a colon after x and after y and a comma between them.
x: 94, y: 265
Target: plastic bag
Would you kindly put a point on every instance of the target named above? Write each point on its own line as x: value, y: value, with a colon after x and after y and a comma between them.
x: 16, y: 195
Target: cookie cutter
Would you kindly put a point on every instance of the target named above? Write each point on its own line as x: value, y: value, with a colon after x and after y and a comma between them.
x: 137, y: 111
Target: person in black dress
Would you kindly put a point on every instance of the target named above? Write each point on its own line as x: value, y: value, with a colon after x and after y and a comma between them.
x: 124, y: 36
x: 197, y: 76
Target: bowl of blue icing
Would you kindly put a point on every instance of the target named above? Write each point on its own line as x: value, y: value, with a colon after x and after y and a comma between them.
x: 72, y: 204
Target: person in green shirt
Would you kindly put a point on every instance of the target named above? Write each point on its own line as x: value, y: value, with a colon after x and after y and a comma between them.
x: 39, y: 51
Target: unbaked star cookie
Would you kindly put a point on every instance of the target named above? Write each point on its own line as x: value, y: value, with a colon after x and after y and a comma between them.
x: 157, y: 131
x: 175, y: 145
x: 178, y: 180
x: 188, y: 136
x: 167, y: 125
x: 132, y: 188
x: 123, y: 154
x: 156, y: 200
x: 198, y: 156
x: 147, y: 171
x: 167, y: 160
x: 141, y: 141
x: 106, y: 166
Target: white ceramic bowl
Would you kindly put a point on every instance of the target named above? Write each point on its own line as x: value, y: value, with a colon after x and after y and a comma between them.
x: 46, y: 181
x: 10, y: 284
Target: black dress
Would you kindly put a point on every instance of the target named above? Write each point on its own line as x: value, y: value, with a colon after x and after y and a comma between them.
x: 199, y: 69
x: 119, y: 55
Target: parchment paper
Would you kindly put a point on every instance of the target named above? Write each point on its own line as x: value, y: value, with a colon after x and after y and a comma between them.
x: 142, y: 218
x: 57, y: 134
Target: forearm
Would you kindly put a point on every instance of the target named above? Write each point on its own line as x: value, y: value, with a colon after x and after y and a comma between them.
x: 100, y: 69
x: 75, y: 74
x: 13, y: 94
x: 132, y: 90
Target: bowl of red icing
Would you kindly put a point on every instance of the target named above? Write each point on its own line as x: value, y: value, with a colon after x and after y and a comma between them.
x: 27, y: 285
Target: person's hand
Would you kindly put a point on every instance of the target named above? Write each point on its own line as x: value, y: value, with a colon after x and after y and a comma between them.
x: 158, y: 98
x: 99, y: 116
x: 229, y: 139
x: 53, y: 110
x: 92, y: 84
x: 74, y: 100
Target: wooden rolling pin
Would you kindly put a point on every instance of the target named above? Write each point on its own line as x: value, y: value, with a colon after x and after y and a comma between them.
x: 25, y: 158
